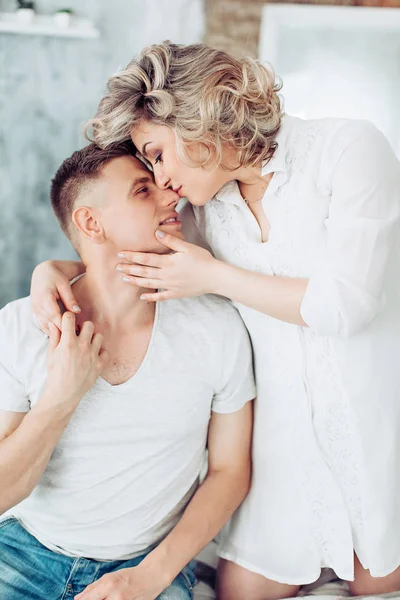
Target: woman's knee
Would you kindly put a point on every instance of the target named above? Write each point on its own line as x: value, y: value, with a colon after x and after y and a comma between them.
x: 237, y: 583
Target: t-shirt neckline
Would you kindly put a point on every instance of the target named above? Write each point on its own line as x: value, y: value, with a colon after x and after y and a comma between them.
x: 109, y: 386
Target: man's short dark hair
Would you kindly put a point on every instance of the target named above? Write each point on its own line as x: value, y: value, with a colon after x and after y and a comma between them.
x: 76, y: 172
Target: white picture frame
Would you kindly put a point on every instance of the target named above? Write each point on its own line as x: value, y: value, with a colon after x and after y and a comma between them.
x: 336, y: 61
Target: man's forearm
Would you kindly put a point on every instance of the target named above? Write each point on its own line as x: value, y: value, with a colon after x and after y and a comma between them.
x: 25, y: 454
x: 211, y: 507
x: 278, y: 297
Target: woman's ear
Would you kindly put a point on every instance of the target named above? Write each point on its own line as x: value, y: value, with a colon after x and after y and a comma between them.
x: 88, y: 223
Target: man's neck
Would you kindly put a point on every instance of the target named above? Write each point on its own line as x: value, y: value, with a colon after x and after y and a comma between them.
x: 111, y: 304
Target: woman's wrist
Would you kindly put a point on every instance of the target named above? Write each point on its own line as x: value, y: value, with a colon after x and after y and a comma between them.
x: 69, y: 268
x: 221, y: 273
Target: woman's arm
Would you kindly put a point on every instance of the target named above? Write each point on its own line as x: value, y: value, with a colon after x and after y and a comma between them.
x: 193, y: 271
x: 51, y: 283
x: 278, y: 297
x: 348, y: 290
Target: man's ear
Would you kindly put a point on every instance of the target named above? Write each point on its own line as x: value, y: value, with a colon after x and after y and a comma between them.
x: 87, y: 222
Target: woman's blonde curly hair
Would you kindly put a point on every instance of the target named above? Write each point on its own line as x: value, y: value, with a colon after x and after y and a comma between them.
x: 203, y: 94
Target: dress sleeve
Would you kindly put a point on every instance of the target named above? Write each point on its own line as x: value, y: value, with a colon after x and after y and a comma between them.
x: 235, y: 385
x: 364, y: 214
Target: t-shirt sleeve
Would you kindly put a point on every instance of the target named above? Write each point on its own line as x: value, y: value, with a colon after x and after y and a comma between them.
x: 13, y: 397
x: 236, y: 384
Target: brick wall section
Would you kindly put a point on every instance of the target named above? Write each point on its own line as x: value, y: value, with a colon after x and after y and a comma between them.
x: 234, y: 25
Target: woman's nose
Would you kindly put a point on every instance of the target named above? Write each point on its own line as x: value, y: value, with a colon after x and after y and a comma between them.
x: 162, y: 181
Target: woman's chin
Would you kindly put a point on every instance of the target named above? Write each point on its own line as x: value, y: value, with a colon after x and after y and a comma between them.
x: 199, y: 201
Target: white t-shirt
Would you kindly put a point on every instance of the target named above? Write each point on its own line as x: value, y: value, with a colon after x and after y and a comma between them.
x: 129, y: 460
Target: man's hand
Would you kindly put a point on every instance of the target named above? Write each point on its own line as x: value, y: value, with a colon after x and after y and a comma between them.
x: 74, y: 362
x: 136, y: 583
x: 188, y: 271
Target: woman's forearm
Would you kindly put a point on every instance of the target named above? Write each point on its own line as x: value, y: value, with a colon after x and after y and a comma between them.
x: 278, y: 297
x: 70, y: 268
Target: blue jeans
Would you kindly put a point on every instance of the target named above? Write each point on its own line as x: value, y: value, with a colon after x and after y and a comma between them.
x: 30, y: 571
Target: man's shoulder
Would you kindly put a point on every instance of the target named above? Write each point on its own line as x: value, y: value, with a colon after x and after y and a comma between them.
x: 18, y: 320
x: 209, y: 311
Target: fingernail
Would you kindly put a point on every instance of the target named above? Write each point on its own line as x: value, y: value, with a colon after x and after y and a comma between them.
x: 76, y: 308
x: 143, y: 297
x: 119, y: 268
x: 125, y: 279
x: 121, y: 254
x: 160, y: 234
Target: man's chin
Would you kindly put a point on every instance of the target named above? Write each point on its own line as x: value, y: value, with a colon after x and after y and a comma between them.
x: 163, y: 249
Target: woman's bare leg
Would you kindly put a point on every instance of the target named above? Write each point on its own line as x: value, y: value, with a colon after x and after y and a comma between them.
x: 236, y: 583
x: 366, y: 585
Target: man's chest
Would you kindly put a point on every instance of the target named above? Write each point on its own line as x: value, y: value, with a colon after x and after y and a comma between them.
x: 124, y: 361
x: 126, y: 352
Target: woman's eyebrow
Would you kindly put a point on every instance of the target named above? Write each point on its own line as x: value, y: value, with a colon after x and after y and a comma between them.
x: 144, y: 148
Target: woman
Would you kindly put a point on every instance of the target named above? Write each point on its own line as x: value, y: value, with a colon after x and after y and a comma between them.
x: 302, y: 218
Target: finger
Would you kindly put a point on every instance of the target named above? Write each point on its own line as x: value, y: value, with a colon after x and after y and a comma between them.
x: 94, y: 591
x: 54, y: 336
x: 44, y: 325
x: 143, y: 258
x: 87, y: 331
x: 52, y: 311
x: 68, y: 326
x: 86, y: 592
x: 172, y: 242
x: 158, y: 296
x: 68, y: 298
x: 97, y: 342
x: 140, y: 271
x: 152, y: 284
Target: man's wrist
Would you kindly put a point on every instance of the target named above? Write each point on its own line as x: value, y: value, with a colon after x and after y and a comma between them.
x: 157, y: 564
x: 56, y: 404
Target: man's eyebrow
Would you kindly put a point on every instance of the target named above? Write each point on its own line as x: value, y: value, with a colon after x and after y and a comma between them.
x: 144, y: 148
x: 139, y: 181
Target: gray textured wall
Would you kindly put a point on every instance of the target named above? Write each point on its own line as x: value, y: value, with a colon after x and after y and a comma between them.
x: 48, y: 88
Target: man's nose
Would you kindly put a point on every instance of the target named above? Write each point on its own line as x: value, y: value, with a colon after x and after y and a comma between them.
x: 168, y: 197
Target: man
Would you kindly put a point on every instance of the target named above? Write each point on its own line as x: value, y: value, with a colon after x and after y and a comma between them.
x: 101, y: 447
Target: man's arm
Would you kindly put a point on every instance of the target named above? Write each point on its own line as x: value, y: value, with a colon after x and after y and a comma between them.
x: 27, y: 440
x: 225, y: 486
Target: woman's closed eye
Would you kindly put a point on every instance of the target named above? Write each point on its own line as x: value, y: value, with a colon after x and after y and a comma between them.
x: 158, y: 158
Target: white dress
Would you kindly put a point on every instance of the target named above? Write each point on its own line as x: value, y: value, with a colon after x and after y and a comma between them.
x: 326, y: 473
